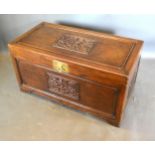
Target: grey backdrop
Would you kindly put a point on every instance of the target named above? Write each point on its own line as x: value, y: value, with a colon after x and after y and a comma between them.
x: 135, y: 26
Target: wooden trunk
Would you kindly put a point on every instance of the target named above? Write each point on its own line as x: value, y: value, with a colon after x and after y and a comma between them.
x: 89, y: 71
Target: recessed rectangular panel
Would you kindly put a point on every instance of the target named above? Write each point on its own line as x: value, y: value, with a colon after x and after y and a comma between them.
x: 84, y: 92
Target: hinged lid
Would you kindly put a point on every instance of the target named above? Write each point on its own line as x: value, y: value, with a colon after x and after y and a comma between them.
x: 99, y: 50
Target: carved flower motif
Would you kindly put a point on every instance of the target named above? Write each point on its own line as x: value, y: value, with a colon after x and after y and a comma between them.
x: 75, y: 43
x: 63, y: 86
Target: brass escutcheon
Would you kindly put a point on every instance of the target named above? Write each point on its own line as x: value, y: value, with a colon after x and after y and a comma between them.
x: 60, y: 67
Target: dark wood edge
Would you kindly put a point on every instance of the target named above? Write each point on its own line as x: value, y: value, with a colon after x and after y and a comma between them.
x: 124, y: 92
x: 121, y: 103
x: 16, y: 69
x: 135, y: 56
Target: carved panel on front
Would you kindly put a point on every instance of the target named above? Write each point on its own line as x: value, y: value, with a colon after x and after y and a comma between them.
x: 63, y: 86
x: 75, y: 43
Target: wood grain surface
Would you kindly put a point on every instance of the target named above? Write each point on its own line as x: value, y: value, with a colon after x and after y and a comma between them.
x: 102, y: 68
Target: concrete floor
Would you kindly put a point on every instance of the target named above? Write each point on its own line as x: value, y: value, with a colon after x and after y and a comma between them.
x: 29, y: 117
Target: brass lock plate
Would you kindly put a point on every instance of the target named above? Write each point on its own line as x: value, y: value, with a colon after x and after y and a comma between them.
x: 60, y: 66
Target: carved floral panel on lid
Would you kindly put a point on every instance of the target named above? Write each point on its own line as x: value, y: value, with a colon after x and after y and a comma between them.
x: 75, y: 43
